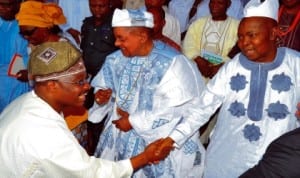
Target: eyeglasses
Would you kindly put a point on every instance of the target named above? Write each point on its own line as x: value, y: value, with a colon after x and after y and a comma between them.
x: 80, y: 82
x: 27, y: 32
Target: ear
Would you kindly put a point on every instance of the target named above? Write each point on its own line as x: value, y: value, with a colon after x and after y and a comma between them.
x: 144, y: 36
x: 52, y: 86
x: 163, y: 22
x: 274, y: 33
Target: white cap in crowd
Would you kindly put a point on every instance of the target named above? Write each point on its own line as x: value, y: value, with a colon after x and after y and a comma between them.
x: 256, y: 8
x: 132, y: 18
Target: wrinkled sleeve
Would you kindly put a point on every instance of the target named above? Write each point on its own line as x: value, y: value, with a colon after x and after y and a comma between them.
x: 69, y: 159
x: 178, y: 88
x: 103, y: 80
x: 201, y: 108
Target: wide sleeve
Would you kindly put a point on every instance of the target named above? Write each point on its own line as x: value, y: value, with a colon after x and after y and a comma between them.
x: 200, y: 108
x: 103, y: 80
x: 60, y: 155
x: 179, y: 86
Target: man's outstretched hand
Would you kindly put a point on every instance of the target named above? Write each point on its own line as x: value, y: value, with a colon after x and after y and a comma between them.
x: 150, y: 155
x: 164, y: 147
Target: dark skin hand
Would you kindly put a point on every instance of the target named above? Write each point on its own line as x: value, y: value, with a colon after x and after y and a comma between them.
x: 165, y: 147
x: 297, y: 114
x: 22, y: 75
x: 206, y: 68
x: 123, y: 122
x: 75, y: 34
x: 149, y: 156
x: 102, y: 96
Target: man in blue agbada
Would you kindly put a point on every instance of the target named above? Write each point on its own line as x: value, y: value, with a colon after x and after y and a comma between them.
x: 11, y: 45
x: 146, y: 88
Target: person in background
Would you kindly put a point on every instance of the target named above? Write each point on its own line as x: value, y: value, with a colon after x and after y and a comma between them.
x: 235, y: 10
x: 97, y: 36
x: 97, y: 42
x: 146, y: 88
x: 257, y: 91
x: 159, y: 22
x: 209, y: 39
x: 12, y: 48
x: 37, y: 21
x: 289, y: 24
x: 34, y: 138
x: 172, y: 26
x: 75, y: 11
x: 180, y: 9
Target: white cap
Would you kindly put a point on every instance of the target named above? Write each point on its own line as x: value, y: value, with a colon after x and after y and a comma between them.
x: 132, y: 18
x: 269, y: 8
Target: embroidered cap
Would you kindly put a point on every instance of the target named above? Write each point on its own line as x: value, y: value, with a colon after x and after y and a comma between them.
x: 132, y: 18
x: 52, y: 60
x: 256, y: 8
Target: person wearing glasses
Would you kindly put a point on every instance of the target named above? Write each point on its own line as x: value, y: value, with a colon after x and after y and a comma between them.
x: 38, y: 22
x: 12, y: 46
x: 34, y: 138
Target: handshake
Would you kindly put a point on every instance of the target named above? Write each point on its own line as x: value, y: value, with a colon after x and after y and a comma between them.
x: 153, y: 153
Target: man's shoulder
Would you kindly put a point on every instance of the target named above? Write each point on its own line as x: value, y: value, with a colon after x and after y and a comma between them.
x: 164, y: 49
x: 88, y: 20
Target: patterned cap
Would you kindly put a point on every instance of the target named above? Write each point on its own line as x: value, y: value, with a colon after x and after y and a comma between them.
x: 52, y: 60
x: 132, y: 18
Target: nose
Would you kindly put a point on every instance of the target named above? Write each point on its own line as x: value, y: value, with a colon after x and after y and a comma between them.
x: 117, y: 43
x: 86, y: 86
x: 243, y: 41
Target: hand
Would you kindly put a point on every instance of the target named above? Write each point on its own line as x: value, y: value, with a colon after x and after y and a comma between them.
x: 165, y: 147
x: 123, y: 122
x: 203, y: 66
x: 103, y: 96
x: 297, y: 114
x: 214, y: 69
x: 147, y: 156
x: 150, y: 152
x: 22, y: 75
x: 75, y: 34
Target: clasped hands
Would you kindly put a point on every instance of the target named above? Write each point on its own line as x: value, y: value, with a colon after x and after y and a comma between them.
x: 154, y: 152
x: 158, y: 150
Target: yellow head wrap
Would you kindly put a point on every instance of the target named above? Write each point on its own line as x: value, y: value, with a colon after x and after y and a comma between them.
x: 38, y: 14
